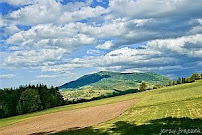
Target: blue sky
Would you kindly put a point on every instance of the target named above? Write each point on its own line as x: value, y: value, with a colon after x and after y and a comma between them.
x: 56, y: 41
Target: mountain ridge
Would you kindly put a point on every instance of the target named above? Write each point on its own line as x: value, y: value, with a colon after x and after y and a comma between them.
x: 114, y: 80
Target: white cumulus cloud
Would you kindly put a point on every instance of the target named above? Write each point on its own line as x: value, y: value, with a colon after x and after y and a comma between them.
x: 33, y: 57
x: 106, y: 45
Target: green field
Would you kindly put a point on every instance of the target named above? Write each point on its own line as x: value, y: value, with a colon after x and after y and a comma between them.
x: 84, y: 94
x: 168, y: 107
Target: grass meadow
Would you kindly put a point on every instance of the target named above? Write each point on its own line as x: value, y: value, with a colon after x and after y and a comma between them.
x: 175, y: 107
x: 84, y: 94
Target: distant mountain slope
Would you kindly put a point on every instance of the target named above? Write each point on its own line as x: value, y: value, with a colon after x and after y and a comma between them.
x: 84, y: 80
x: 114, y: 80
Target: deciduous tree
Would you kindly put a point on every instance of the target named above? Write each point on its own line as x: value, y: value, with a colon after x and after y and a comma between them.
x: 142, y: 86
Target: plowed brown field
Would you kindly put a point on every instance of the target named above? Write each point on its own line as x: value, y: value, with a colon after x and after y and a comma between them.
x: 65, y: 120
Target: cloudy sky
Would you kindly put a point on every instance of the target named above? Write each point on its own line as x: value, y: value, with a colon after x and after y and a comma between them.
x: 56, y: 41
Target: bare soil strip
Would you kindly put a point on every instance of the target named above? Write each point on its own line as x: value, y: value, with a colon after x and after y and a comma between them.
x: 65, y: 120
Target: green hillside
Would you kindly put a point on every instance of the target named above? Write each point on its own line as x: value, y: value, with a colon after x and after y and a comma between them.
x: 85, y: 94
x: 174, y: 107
x: 168, y: 107
x: 105, y: 80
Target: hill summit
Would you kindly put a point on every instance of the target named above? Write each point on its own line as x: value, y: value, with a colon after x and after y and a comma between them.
x: 105, y: 80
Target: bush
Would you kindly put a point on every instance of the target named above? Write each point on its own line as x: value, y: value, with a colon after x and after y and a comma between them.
x: 143, y: 86
x: 189, y: 80
x: 157, y: 86
x: 196, y: 76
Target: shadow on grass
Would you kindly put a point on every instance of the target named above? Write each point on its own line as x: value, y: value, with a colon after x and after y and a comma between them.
x: 165, y: 126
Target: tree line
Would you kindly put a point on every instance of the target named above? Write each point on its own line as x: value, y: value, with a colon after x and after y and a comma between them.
x: 195, y: 76
x: 27, y: 99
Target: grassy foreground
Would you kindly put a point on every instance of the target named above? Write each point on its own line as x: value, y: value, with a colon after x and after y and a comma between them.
x: 177, y: 108
x: 179, y: 105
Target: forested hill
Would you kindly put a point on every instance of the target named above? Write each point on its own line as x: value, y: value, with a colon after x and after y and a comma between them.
x: 114, y: 80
